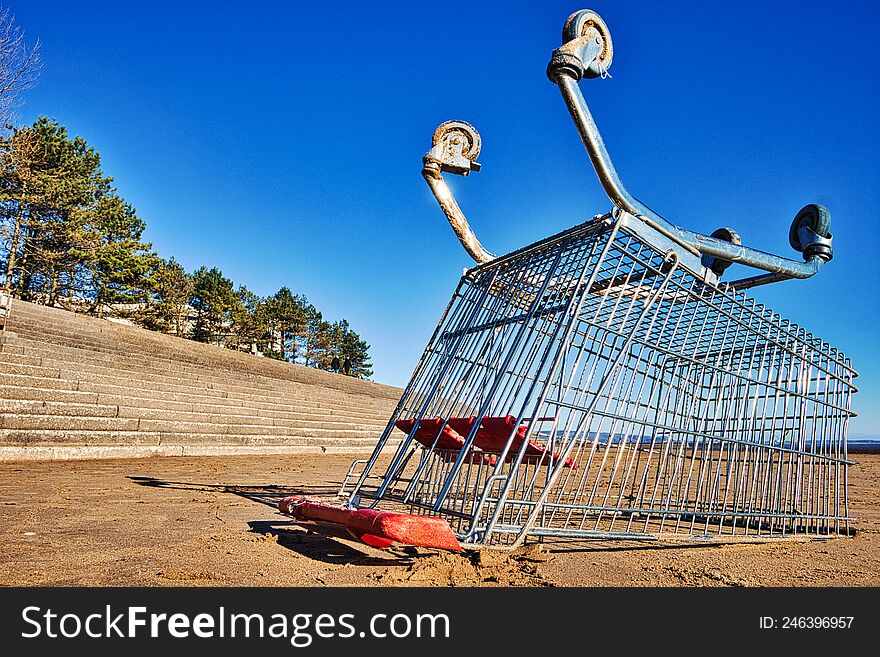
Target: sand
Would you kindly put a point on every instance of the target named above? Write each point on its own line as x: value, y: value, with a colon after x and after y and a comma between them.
x: 212, y: 522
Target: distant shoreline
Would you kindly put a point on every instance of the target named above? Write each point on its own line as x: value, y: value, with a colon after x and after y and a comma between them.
x: 863, y: 446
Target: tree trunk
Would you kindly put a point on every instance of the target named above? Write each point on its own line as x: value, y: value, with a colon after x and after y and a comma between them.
x: 13, y: 247
x: 25, y: 277
x: 53, y: 286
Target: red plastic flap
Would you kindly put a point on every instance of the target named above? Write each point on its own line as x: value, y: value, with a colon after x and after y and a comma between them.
x: 373, y: 527
x: 450, y: 440
x: 494, y: 433
x: 428, y: 429
x: 379, y: 542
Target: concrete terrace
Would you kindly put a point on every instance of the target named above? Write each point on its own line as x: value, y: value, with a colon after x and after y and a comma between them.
x: 73, y: 386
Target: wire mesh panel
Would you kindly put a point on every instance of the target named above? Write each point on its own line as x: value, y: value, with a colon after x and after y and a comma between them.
x: 596, y: 385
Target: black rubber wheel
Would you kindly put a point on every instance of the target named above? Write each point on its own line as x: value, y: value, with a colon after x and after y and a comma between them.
x: 816, y: 217
x: 728, y: 235
x: 469, y: 132
x: 719, y: 265
x: 577, y: 26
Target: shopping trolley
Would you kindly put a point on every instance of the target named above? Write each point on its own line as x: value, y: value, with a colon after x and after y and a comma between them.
x: 605, y: 383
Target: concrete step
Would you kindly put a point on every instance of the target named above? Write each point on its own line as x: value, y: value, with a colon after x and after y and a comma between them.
x: 122, y: 339
x: 158, y: 364
x: 36, y: 394
x: 60, y: 332
x: 71, y: 422
x: 92, y: 329
x: 69, y: 380
x: 85, y: 423
x: 77, y: 437
x: 233, y: 390
x: 23, y: 381
x: 276, y: 391
x: 208, y: 397
x: 161, y: 363
x: 72, y: 384
x: 319, y: 421
x: 80, y: 452
x: 26, y: 406
x: 39, y: 437
x: 29, y: 370
x: 64, y: 352
x: 178, y: 427
x: 161, y: 407
x: 148, y: 370
x: 19, y: 359
x: 248, y: 383
x: 18, y: 387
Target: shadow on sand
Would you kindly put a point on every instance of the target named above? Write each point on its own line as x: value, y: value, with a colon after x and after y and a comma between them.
x: 318, y: 541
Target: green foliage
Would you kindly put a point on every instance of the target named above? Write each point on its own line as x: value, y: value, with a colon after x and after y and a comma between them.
x: 316, y: 338
x: 287, y: 314
x: 68, y: 238
x: 268, y: 352
x: 214, y: 302
x: 247, y: 321
x: 49, y: 184
x: 349, y: 347
x: 67, y: 232
x: 119, y: 262
x: 169, y: 290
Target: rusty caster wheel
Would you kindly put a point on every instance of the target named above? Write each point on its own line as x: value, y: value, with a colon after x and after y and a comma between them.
x: 459, y: 132
x: 580, y: 24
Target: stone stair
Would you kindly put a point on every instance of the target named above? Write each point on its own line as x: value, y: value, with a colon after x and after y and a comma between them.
x: 73, y: 386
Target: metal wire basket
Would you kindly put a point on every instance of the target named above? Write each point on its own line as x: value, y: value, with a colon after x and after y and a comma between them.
x: 605, y: 383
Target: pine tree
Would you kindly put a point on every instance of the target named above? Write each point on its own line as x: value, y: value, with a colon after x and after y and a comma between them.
x: 288, y: 314
x: 66, y: 233
x: 249, y: 328
x: 357, y: 352
x: 119, y: 263
x: 316, y: 339
x: 336, y: 338
x: 18, y: 169
x: 213, y: 300
x: 49, y: 185
x: 167, y: 308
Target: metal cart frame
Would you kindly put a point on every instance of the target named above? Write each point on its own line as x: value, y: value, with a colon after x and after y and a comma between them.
x: 635, y: 394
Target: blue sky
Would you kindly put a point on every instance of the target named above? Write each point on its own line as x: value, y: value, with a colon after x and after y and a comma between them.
x: 281, y: 141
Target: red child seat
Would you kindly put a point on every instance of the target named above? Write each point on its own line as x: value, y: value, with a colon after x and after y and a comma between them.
x: 448, y: 442
x: 494, y: 432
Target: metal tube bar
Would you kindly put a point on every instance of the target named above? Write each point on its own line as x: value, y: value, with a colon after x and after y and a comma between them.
x: 431, y: 174
x: 623, y: 199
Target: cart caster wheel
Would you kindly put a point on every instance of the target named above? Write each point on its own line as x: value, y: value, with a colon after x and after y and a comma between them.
x: 813, y: 216
x: 578, y: 25
x: 719, y: 265
x: 459, y: 132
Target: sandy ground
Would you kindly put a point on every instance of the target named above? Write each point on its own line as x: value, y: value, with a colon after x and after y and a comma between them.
x: 212, y: 522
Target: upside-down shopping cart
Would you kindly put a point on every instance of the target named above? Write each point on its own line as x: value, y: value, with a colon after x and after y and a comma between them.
x: 604, y: 382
